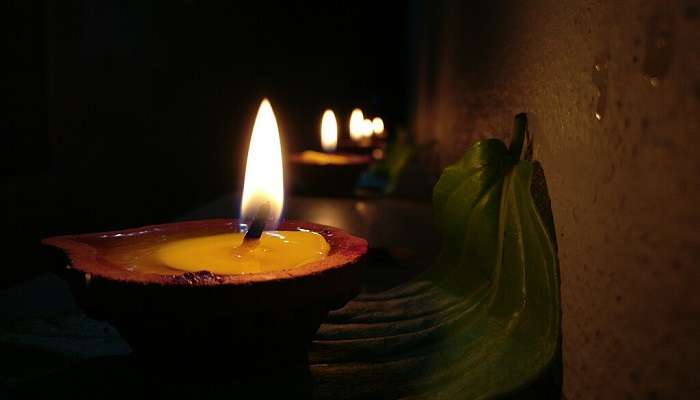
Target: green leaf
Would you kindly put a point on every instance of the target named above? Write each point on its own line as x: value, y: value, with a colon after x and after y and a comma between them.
x: 498, y: 257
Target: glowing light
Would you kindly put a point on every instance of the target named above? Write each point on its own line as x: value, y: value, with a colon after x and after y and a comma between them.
x: 367, y: 128
x: 356, y: 124
x: 263, y: 171
x: 329, y: 131
x: 377, y: 126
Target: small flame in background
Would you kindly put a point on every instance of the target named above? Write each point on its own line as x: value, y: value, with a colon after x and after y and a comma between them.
x: 356, y: 124
x: 367, y: 128
x: 329, y: 131
x: 263, y: 171
x: 378, y: 126
x: 362, y: 128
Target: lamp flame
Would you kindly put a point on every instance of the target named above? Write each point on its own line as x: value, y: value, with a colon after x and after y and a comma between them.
x: 356, y: 124
x: 367, y: 128
x: 329, y: 131
x: 263, y: 171
x: 378, y: 126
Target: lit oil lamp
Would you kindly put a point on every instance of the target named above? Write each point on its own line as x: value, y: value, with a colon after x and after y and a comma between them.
x: 327, y: 172
x: 361, y: 130
x: 367, y: 136
x: 219, y: 287
x: 378, y: 126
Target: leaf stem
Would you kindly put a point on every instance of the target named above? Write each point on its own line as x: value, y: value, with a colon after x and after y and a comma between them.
x: 519, y: 128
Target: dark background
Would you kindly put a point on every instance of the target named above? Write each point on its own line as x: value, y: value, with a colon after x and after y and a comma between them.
x: 131, y: 113
x: 135, y: 113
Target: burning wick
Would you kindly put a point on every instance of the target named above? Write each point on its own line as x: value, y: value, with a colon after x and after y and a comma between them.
x: 258, y: 224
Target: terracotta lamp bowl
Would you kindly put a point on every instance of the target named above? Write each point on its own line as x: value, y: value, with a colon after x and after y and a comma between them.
x: 319, y: 179
x: 201, y: 314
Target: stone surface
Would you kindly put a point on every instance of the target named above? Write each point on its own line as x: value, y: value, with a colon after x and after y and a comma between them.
x: 612, y: 90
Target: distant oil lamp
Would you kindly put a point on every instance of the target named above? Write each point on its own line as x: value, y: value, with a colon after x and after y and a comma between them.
x: 378, y: 126
x: 219, y: 287
x: 329, y: 132
x: 328, y: 172
x: 367, y: 135
x: 356, y: 126
x: 361, y: 130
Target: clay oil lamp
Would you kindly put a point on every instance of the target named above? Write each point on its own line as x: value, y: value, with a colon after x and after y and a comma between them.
x: 361, y: 132
x: 329, y: 172
x: 367, y: 136
x: 251, y: 290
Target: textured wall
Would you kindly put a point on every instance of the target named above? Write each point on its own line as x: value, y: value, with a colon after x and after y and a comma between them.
x: 613, y: 93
